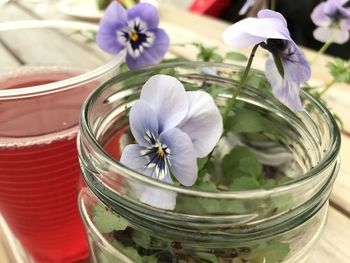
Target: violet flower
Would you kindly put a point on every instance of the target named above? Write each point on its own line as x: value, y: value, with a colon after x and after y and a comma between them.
x: 172, y: 129
x: 270, y: 30
x: 333, y: 21
x: 135, y: 31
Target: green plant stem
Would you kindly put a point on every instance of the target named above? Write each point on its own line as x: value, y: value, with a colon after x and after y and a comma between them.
x: 328, y: 85
x: 323, y: 48
x: 273, y: 4
x: 235, y: 94
x: 237, y: 91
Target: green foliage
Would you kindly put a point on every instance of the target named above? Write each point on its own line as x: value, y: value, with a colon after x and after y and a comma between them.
x: 236, y: 56
x: 340, y: 70
x: 240, y: 162
x: 209, y: 257
x: 248, y: 121
x: 208, y: 54
x: 106, y: 221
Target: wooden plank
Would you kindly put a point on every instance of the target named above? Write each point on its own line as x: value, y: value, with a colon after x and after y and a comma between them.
x: 334, y: 243
x: 7, y: 61
x: 63, y: 48
x: 341, y: 188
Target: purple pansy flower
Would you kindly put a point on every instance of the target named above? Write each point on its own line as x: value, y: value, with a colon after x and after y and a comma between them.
x: 271, y: 32
x: 172, y: 129
x: 135, y: 31
x: 333, y: 21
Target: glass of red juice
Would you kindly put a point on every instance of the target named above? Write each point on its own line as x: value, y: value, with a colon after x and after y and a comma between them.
x: 47, y: 69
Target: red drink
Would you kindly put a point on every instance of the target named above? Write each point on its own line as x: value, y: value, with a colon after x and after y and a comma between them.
x: 39, y: 170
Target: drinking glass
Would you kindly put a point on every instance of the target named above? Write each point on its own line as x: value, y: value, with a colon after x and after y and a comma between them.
x: 47, y: 69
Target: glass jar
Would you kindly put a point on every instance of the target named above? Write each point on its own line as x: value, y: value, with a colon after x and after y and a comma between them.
x: 279, y: 223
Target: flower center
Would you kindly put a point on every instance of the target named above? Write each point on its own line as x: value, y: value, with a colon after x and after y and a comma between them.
x: 134, y: 36
x: 158, y: 155
x: 160, y: 152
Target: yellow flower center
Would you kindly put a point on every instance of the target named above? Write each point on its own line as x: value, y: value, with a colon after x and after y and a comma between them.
x: 160, y: 152
x: 134, y: 36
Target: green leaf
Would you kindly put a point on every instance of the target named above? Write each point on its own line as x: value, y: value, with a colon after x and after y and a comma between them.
x: 201, y: 162
x: 209, y: 257
x: 276, y: 253
x: 141, y: 239
x: 206, y: 186
x: 236, y: 56
x: 249, y: 122
x: 150, y: 259
x: 238, y: 163
x: 215, y: 90
x: 130, y: 252
x: 244, y: 183
x: 215, y: 57
x: 340, y: 70
x: 106, y: 221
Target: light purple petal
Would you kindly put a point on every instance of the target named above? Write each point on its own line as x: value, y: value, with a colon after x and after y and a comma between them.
x: 319, y: 17
x: 142, y: 119
x: 183, y: 161
x: 115, y: 13
x: 251, y: 31
x: 286, y: 91
x: 267, y: 13
x: 323, y: 34
x: 146, y: 12
x: 153, y: 54
x: 106, y: 37
x: 133, y: 159
x: 112, y: 21
x: 203, y: 122
x: 345, y: 24
x: 167, y: 97
x: 296, y: 67
x: 159, y: 198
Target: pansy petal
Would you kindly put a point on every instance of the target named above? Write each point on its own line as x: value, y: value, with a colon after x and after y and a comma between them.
x: 286, y: 91
x: 296, y: 67
x: 267, y: 13
x: 167, y: 97
x: 251, y: 31
x: 115, y: 13
x: 133, y: 158
x: 143, y: 123
x: 153, y: 54
x: 203, y: 122
x: 147, y: 13
x: 106, y: 37
x: 159, y: 198
x: 319, y: 17
x: 323, y: 34
x: 345, y: 24
x: 182, y: 159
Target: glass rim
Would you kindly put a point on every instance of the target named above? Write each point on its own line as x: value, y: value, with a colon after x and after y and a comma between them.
x: 61, y: 85
x: 86, y: 132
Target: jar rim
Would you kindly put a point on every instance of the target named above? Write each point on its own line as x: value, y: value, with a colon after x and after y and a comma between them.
x: 87, y: 133
x: 60, y: 85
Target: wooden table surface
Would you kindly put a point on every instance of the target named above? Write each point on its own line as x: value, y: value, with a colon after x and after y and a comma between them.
x: 183, y: 28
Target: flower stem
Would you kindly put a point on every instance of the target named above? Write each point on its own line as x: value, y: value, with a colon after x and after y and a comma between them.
x: 327, y: 86
x: 235, y: 94
x: 323, y: 49
x: 237, y: 91
x: 273, y: 4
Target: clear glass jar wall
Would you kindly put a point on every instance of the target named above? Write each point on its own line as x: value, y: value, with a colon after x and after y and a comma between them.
x: 280, y: 223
